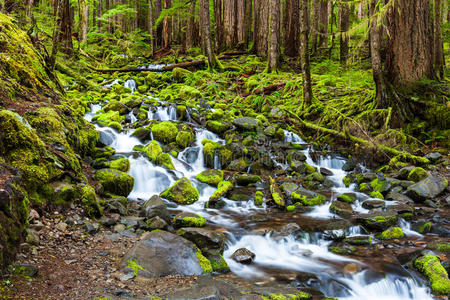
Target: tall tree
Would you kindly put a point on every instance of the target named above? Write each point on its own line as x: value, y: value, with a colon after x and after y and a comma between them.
x: 438, y: 46
x: 323, y: 24
x: 344, y: 24
x: 304, y: 52
x: 190, y: 31
x: 261, y: 23
x: 230, y: 22
x: 83, y: 11
x: 315, y: 23
x: 66, y: 27
x: 247, y: 22
x: 274, y: 36
x: 292, y: 36
x: 204, y: 22
x: 167, y: 26
x: 150, y: 25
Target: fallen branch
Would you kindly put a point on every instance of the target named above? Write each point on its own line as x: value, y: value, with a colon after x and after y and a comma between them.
x: 267, y: 90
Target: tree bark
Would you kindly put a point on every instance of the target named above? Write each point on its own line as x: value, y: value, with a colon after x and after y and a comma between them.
x: 304, y: 53
x: 56, y: 36
x: 438, y: 45
x: 408, y: 55
x: 247, y: 22
x: 66, y: 27
x: 83, y: 20
x: 344, y: 13
x: 315, y: 23
x: 167, y: 26
x: 274, y: 36
x: 191, y: 27
x: 292, y: 36
x: 260, y: 35
x: 28, y: 8
x: 323, y: 24
x: 219, y: 26
x: 230, y: 22
x: 150, y: 25
x: 206, y: 34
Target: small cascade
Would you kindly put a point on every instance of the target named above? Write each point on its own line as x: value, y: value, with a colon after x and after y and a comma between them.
x: 217, y: 164
x: 132, y: 117
x: 114, y: 82
x: 131, y: 84
x: 163, y: 113
x: 406, y: 227
x: 290, y: 137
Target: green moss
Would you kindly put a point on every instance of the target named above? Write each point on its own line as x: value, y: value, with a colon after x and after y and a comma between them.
x: 425, y: 227
x: 121, y: 164
x: 165, y: 160
x: 218, y: 263
x: 211, y: 176
x: 442, y: 247
x: 152, y: 150
x: 115, y: 181
x: 316, y: 200
x: 259, y: 198
x: 417, y: 174
x: 90, y: 202
x: 209, y: 148
x: 106, y: 118
x: 347, y: 181
x: 204, y: 262
x: 364, y: 187
x: 222, y: 188
x: 116, y: 126
x: 346, y: 198
x: 290, y: 208
x: 182, y: 192
x: 184, y: 139
x: 165, y: 132
x: 391, y: 233
x: 315, y: 176
x: 217, y: 127
x: 378, y: 185
x: 407, y: 216
x: 276, y: 194
x: 377, y: 194
x: 430, y: 266
x: 197, y: 221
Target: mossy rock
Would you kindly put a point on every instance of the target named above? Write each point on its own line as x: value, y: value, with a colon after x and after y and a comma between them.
x: 430, y: 266
x: 116, y: 126
x: 116, y: 106
x: 90, y: 202
x: 391, y: 233
x: 184, y: 139
x: 187, y: 92
x: 378, y: 220
x: 259, y: 198
x: 218, y: 263
x: 152, y: 150
x: 188, y: 219
x: 179, y: 74
x: 115, y: 181
x: 165, y: 160
x: 217, y: 127
x: 359, y: 240
x: 211, y: 176
x: 417, y: 174
x: 347, y: 198
x: 246, y: 179
x: 222, y: 189
x: 376, y: 194
x: 165, y: 132
x: 141, y: 133
x: 106, y: 118
x: 181, y: 192
x: 308, y: 199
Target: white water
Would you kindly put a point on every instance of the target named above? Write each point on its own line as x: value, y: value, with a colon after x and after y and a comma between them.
x: 167, y: 113
x: 131, y: 84
x: 289, y: 253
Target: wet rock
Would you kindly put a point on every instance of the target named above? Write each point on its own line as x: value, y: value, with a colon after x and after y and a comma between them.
x: 156, y: 223
x: 106, y: 138
x: 335, y: 235
x: 209, y: 241
x: 288, y: 188
x: 391, y: 233
x: 323, y: 225
x: 245, y: 123
x: 142, y: 134
x: 211, y: 176
x: 188, y: 219
x: 241, y: 194
x: 161, y: 253
x: 217, y: 127
x: 325, y: 172
x: 238, y: 165
x: 371, y: 204
x: 181, y: 192
x: 243, y: 256
x: 349, y: 165
x: 155, y: 207
x: 433, y: 157
x: 223, y: 188
x: 246, y: 179
x: 378, y: 220
x: 404, y: 172
x: 27, y: 270
x: 165, y: 132
x: 116, y: 205
x: 417, y: 174
x: 295, y: 156
x: 347, y: 198
x: 359, y: 240
x: 132, y: 222
x: 431, y: 267
x: 341, y: 208
x: 116, y: 106
x: 401, y: 208
x: 398, y: 197
x: 91, y: 228
x: 427, y: 188
x: 307, y: 197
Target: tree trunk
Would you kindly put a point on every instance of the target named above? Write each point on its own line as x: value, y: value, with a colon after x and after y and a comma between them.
x: 150, y: 26
x: 315, y: 23
x: 344, y: 13
x: 230, y: 22
x: 167, y: 26
x: 219, y: 26
x: 56, y: 36
x: 323, y: 24
x: 206, y: 35
x: 408, y: 55
x: 437, y: 40
x: 274, y: 36
x: 247, y: 22
x: 136, y: 15
x: 292, y: 36
x: 29, y: 8
x: 260, y: 35
x: 83, y: 20
x: 66, y: 27
x: 304, y: 53
x: 191, y: 27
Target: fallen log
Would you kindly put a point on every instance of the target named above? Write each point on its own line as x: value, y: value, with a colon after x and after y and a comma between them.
x: 267, y: 90
x: 195, y: 63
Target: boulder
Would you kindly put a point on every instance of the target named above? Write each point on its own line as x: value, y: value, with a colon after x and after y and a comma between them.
x: 246, y: 179
x: 155, y: 207
x: 211, y: 176
x: 217, y: 127
x: 165, y: 132
x: 181, y: 192
x: 341, y: 208
x: 115, y: 181
x: 245, y: 123
x: 209, y: 241
x: 243, y: 256
x: 188, y: 219
x: 427, y: 188
x: 378, y: 220
x: 161, y: 253
x: 417, y: 174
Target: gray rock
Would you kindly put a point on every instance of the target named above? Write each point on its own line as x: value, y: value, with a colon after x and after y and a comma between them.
x: 91, y: 228
x: 392, y: 195
x: 245, y: 123
x: 162, y: 253
x: 243, y: 256
x: 378, y: 220
x: 325, y: 172
x: 341, y: 208
x: 209, y: 241
x: 433, y: 157
x: 370, y: 204
x: 404, y: 172
x: 28, y: 270
x: 276, y: 113
x: 155, y: 206
x: 427, y: 188
x: 359, y: 240
x: 157, y: 223
x: 288, y: 188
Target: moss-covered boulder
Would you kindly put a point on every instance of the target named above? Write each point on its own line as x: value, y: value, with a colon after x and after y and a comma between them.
x: 181, y: 192
x: 347, y: 198
x: 165, y: 132
x: 258, y: 198
x: 428, y: 188
x: 121, y: 164
x: 141, y: 133
x: 179, y: 74
x: 378, y: 220
x: 246, y: 179
x: 184, y: 139
x: 223, y: 188
x: 430, y: 266
x: 115, y: 181
x: 341, y: 208
x: 165, y: 160
x: 417, y: 174
x: 90, y: 201
x: 211, y: 176
x: 217, y: 127
x: 277, y: 196
x: 188, y: 219
x: 307, y: 197
x: 245, y: 123
x: 391, y: 233
x: 116, y: 106
x: 152, y: 150
x: 106, y: 118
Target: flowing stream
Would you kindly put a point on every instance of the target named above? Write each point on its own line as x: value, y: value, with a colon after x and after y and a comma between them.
x: 248, y: 226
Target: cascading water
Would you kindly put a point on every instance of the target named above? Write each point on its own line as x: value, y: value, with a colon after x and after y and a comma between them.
x: 299, y: 253
x: 131, y: 84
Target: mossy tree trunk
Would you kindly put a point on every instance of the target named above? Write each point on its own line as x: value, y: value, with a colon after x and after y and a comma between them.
x: 248, y: 22
x: 83, y: 20
x: 315, y: 23
x: 150, y: 25
x: 219, y: 24
x: 167, y: 26
x: 438, y: 45
x: 292, y: 31
x: 274, y: 36
x: 66, y: 28
x: 204, y: 20
x: 344, y: 12
x: 190, y: 30
x: 304, y: 52
x: 323, y: 24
